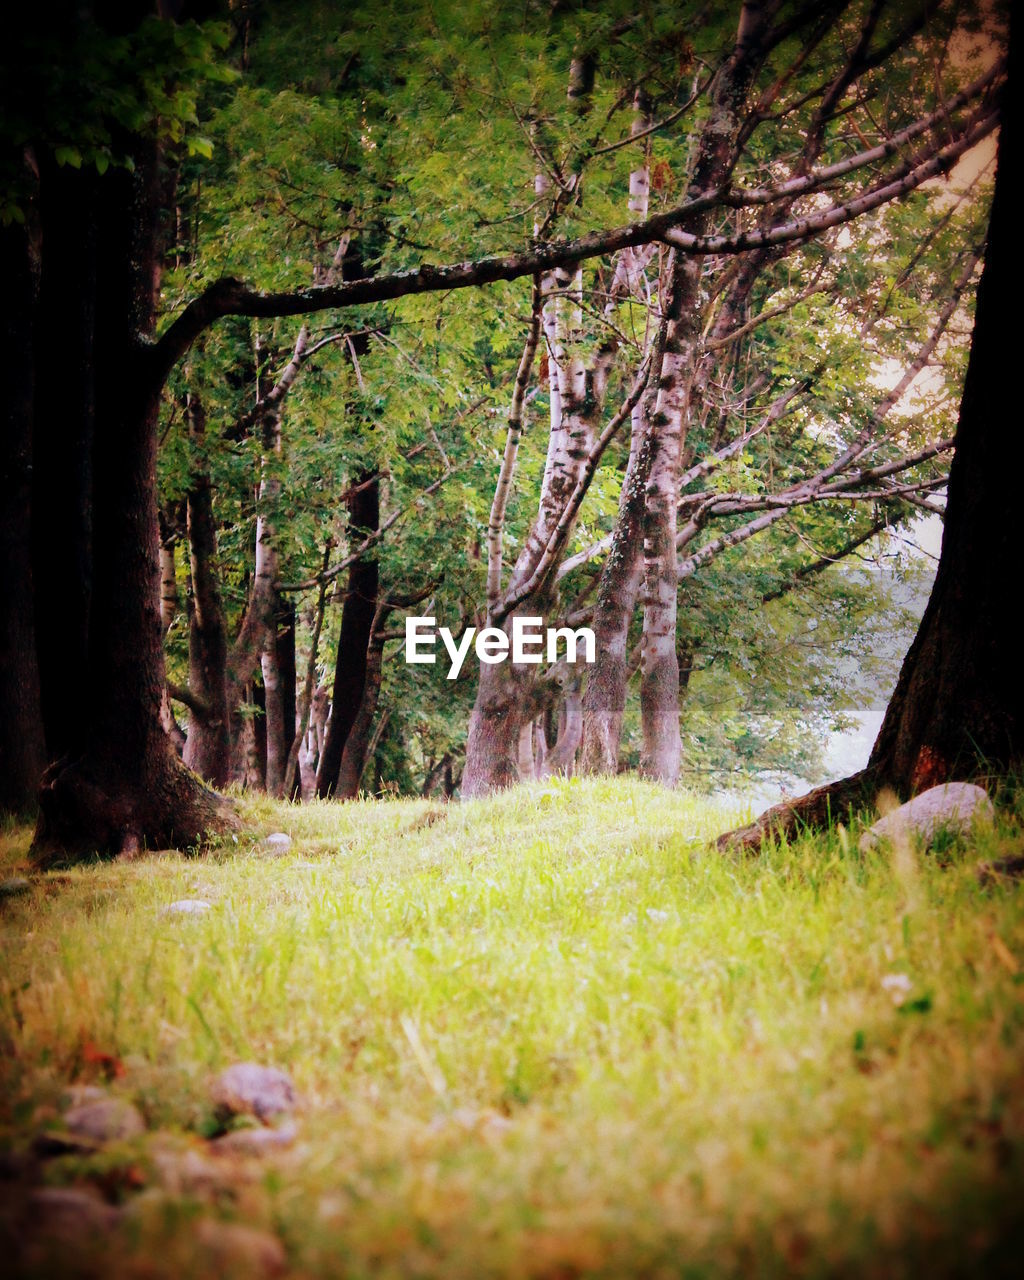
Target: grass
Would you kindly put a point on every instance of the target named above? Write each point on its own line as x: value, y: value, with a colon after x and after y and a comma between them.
x: 548, y: 1035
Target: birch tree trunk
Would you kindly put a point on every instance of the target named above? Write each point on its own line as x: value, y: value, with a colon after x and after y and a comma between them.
x: 659, y: 668
x: 576, y: 395
x: 604, y: 700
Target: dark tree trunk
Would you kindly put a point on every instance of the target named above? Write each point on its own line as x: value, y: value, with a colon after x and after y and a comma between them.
x: 120, y: 784
x: 356, y: 628
x: 958, y: 709
x: 62, y: 447
x: 22, y: 745
x: 208, y: 745
x: 278, y: 662
x: 357, y: 744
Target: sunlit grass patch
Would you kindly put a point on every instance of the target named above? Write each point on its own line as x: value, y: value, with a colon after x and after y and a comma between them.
x: 547, y: 1034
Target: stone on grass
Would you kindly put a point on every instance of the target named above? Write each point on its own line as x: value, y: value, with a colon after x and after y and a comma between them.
x: 249, y: 1089
x: 277, y: 842
x: 953, y: 807
x: 106, y: 1120
x: 254, y: 1142
x: 242, y: 1250
x: 65, y: 1213
x: 13, y: 886
x: 188, y: 907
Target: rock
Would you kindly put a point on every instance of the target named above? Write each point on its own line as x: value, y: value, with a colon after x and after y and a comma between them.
x: 247, y: 1088
x: 108, y: 1120
x: 953, y: 807
x: 242, y: 1250
x: 66, y: 1213
x: 13, y: 886
x: 188, y: 907
x: 254, y: 1142
x: 278, y: 842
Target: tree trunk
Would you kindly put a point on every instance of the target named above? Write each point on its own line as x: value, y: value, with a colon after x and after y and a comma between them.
x: 22, y: 744
x: 357, y: 743
x: 121, y: 786
x: 208, y: 745
x: 527, y: 763
x: 356, y: 628
x: 62, y: 498
x: 561, y: 759
x: 604, y: 700
x: 278, y: 664
x: 659, y: 670
x: 958, y: 708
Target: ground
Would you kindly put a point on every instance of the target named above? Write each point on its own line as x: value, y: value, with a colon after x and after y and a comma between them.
x: 550, y: 1034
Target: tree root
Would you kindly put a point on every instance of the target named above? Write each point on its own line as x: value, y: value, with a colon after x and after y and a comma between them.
x: 815, y: 809
x: 88, y: 810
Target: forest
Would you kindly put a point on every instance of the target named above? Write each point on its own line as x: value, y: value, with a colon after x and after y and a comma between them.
x: 676, y: 331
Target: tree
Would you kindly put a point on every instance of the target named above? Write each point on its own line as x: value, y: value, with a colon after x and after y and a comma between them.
x: 958, y: 708
x: 120, y: 784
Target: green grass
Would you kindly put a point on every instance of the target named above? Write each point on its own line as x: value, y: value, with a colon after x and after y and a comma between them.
x: 551, y: 1034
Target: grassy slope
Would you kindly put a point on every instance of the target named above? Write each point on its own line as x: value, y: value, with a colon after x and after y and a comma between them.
x: 549, y: 1035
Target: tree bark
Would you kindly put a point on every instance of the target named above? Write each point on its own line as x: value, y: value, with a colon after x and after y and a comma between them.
x: 62, y: 498
x: 958, y: 708
x: 357, y: 743
x: 278, y: 665
x: 604, y: 700
x: 208, y: 744
x: 22, y: 742
x: 659, y: 668
x: 121, y: 786
x: 561, y: 759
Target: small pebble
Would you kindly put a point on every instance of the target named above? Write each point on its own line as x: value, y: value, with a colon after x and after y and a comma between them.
x: 109, y: 1120
x: 254, y: 1142
x: 248, y: 1088
x: 65, y: 1213
x: 188, y: 907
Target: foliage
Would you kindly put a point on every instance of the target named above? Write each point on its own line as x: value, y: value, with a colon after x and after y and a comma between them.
x: 84, y: 94
x: 416, y: 131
